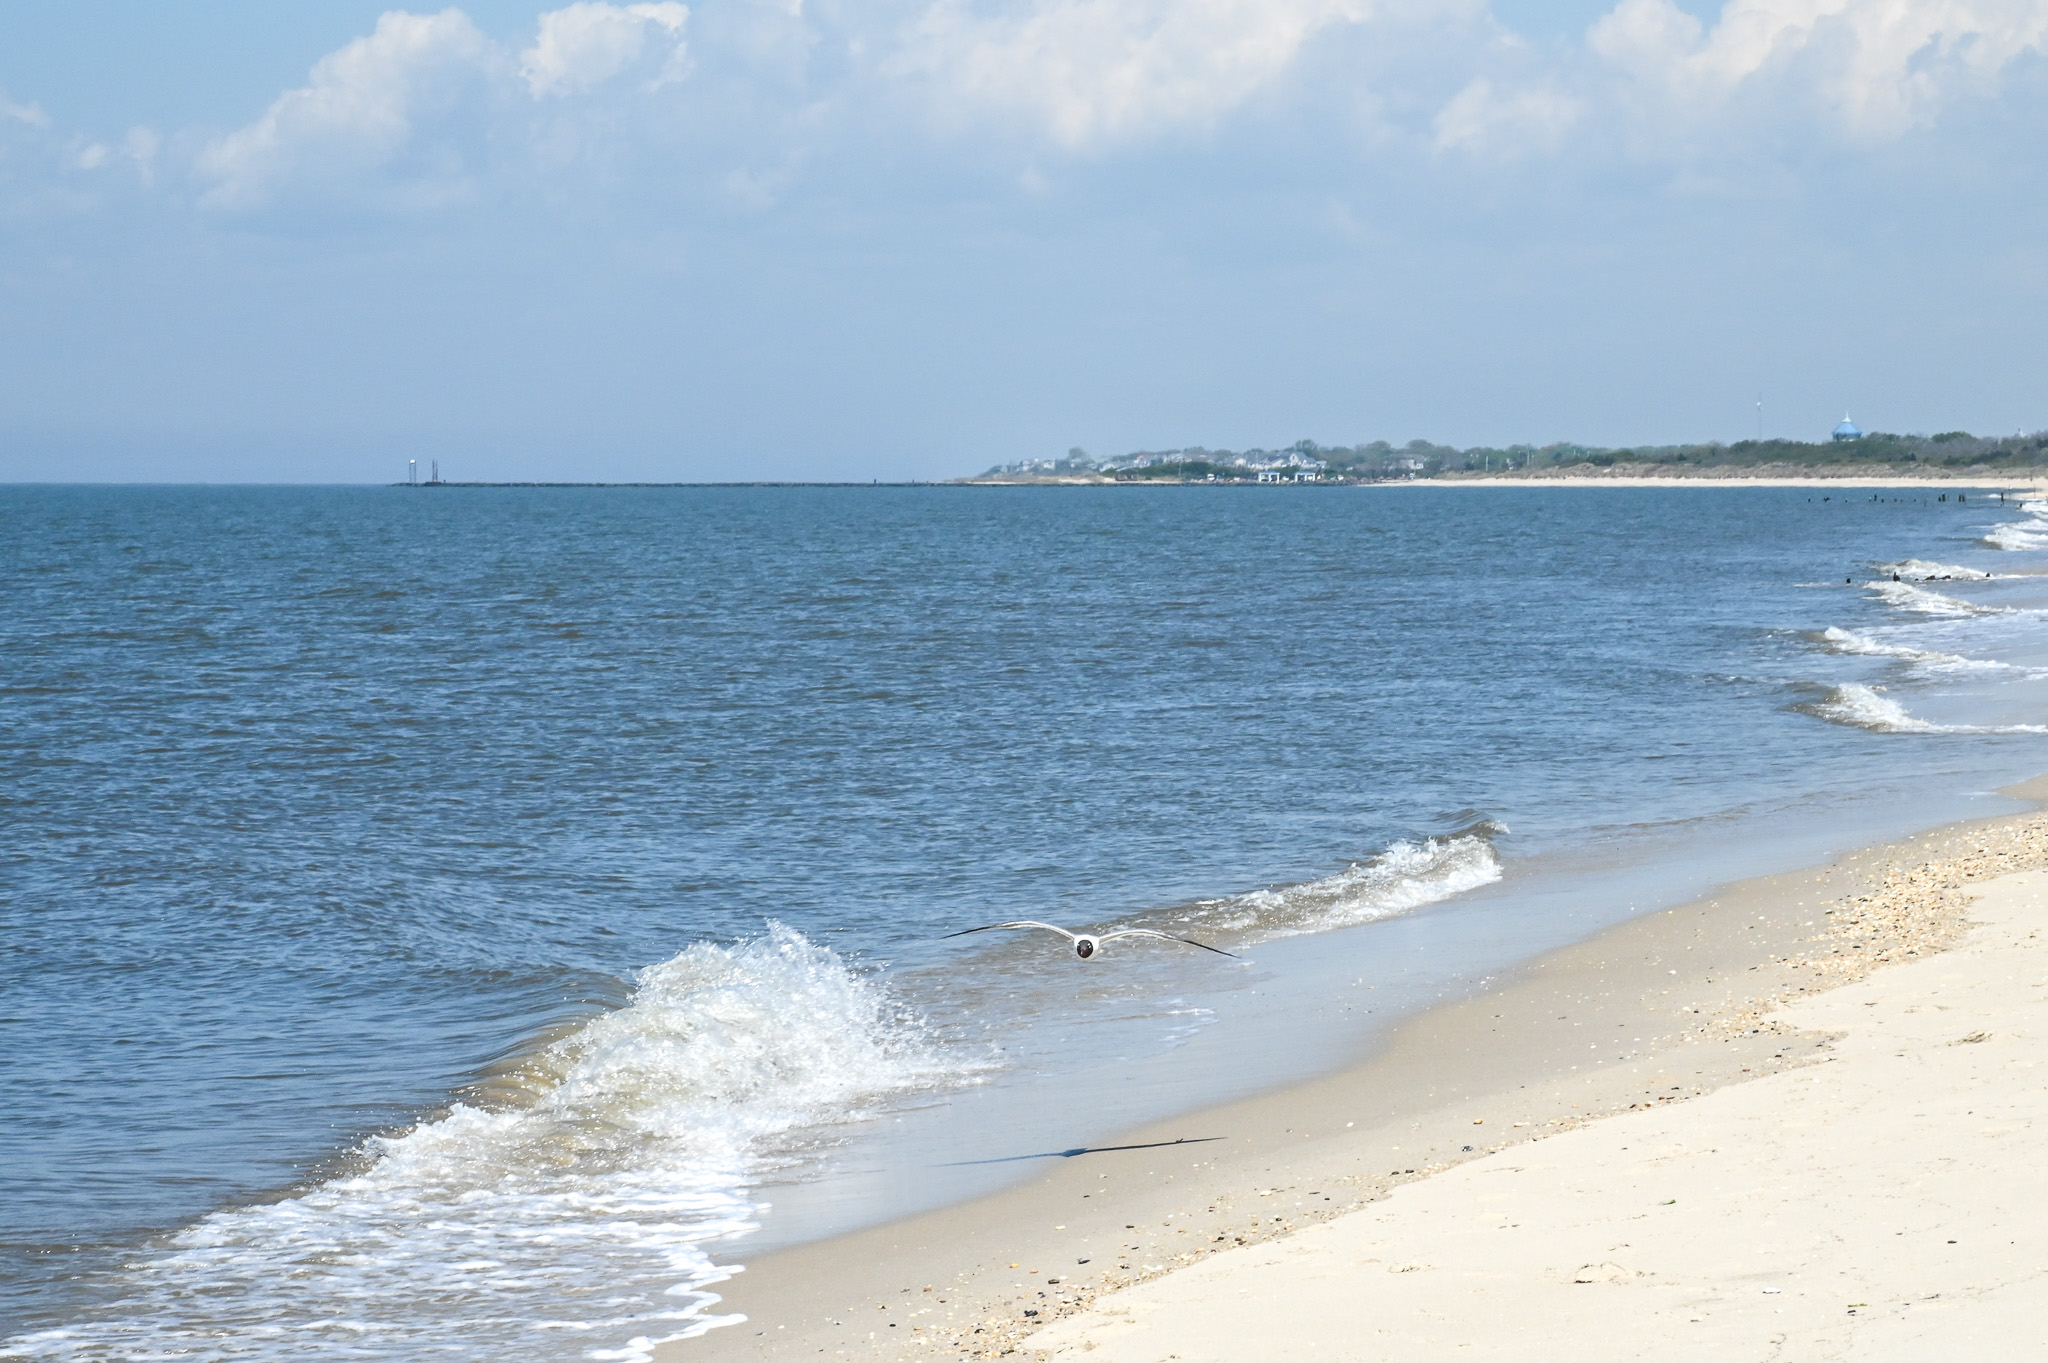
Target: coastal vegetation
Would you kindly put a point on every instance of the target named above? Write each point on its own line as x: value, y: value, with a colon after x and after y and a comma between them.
x: 1949, y: 453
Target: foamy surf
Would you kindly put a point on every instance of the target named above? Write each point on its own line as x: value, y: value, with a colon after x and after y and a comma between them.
x: 1923, y: 570
x: 2029, y: 532
x: 1862, y: 645
x: 1408, y: 875
x: 1906, y: 596
x: 1865, y: 707
x: 579, y: 1223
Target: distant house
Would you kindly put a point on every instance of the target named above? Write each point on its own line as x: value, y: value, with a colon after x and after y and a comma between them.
x: 1306, y: 475
x: 1269, y: 475
x: 1848, y: 430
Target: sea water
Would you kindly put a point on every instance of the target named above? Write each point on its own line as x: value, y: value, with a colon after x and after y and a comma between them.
x: 444, y: 922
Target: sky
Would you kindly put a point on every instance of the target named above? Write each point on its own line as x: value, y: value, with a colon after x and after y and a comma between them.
x: 785, y: 239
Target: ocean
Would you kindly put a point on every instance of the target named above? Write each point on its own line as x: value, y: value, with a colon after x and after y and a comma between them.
x: 450, y: 921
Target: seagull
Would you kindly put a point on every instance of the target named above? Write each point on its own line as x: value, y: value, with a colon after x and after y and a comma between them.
x: 1086, y: 944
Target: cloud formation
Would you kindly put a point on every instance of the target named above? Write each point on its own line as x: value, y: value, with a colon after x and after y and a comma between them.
x: 427, y: 110
x: 405, y: 116
x: 358, y: 111
x: 1092, y: 70
x: 585, y: 45
x: 1879, y: 67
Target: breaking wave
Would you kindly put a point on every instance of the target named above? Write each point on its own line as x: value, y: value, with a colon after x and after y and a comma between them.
x: 1406, y: 876
x: 1865, y: 707
x: 1905, y: 596
x: 627, y: 1154
x: 1862, y: 645
x: 2029, y: 532
x: 1921, y: 570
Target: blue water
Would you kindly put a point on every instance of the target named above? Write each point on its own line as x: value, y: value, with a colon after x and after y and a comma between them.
x: 329, y: 808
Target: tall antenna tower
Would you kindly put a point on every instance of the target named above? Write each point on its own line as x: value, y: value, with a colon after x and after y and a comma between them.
x: 437, y: 470
x: 1759, y: 416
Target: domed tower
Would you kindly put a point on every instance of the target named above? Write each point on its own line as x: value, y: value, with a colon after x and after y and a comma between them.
x: 1848, y: 430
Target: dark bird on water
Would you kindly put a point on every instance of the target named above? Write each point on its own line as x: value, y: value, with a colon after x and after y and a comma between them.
x: 1086, y: 944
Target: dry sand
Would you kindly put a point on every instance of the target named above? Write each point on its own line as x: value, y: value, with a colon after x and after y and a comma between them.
x: 1884, y: 1203
x: 1288, y: 1194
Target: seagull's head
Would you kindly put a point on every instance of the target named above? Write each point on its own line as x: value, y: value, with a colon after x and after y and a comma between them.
x: 1085, y: 946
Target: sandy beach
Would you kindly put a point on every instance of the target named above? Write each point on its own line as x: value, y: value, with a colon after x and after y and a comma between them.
x: 1755, y: 1119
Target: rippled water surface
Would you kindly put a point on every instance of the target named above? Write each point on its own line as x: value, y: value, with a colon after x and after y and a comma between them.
x: 625, y: 821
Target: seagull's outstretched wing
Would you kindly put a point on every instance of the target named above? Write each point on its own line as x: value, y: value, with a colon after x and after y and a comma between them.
x: 1169, y: 937
x: 1020, y: 923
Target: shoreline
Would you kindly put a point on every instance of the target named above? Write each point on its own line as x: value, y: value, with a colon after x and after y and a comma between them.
x: 1648, y: 1014
x: 1849, y: 478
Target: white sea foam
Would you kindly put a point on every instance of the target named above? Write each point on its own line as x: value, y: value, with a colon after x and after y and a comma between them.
x: 1906, y: 596
x: 1848, y: 641
x: 2029, y: 532
x: 1865, y: 707
x: 1923, y: 570
x: 1406, y: 876
x: 597, y: 1201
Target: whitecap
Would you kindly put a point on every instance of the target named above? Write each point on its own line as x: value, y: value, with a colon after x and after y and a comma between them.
x: 1905, y: 596
x: 1406, y: 876
x: 1923, y: 570
x: 1865, y: 707
x: 1862, y: 645
x: 583, y: 1217
x: 2029, y: 532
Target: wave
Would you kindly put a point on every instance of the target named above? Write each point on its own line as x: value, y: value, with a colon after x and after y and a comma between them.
x: 1905, y: 596
x: 597, y: 1196
x: 1922, y: 570
x: 2029, y: 532
x: 1864, y: 707
x: 1862, y: 645
x: 1406, y: 876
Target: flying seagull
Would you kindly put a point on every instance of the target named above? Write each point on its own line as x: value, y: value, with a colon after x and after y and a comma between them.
x: 1086, y: 944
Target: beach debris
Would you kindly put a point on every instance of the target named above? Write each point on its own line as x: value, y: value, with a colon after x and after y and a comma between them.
x: 1605, y: 1273
x: 1087, y: 944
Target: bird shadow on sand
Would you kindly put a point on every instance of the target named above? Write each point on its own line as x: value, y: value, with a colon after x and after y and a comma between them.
x: 1081, y: 1150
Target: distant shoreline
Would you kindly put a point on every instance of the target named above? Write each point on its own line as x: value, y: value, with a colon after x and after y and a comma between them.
x: 741, y: 482
x: 2029, y: 480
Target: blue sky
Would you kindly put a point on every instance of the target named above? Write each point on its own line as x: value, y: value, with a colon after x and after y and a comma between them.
x: 913, y: 238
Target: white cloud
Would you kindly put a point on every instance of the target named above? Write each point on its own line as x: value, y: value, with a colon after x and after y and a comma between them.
x: 1484, y: 118
x: 419, y: 100
x: 1094, y: 70
x: 356, y: 111
x: 23, y: 113
x: 585, y: 45
x: 1881, y: 66
x: 427, y: 109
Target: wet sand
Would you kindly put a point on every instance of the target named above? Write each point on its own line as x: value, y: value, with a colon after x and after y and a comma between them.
x: 1648, y: 1018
